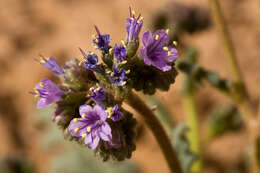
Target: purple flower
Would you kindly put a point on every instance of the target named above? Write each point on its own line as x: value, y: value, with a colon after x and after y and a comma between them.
x: 52, y: 65
x: 91, y: 126
x: 101, y: 41
x: 118, y: 76
x: 97, y: 94
x: 91, y: 60
x: 156, y: 51
x: 133, y: 26
x: 47, y: 92
x: 114, y: 113
x: 120, y: 53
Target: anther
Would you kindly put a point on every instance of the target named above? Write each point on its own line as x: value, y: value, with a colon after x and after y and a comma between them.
x: 76, y: 130
x: 167, y: 31
x: 124, y: 62
x: 84, y: 135
x: 75, y: 120
x: 111, y: 50
x: 157, y: 37
x: 123, y: 43
x: 41, y: 84
x: 165, y: 48
x: 88, y: 128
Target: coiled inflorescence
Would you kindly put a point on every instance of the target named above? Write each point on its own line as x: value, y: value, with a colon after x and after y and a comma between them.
x: 90, y: 95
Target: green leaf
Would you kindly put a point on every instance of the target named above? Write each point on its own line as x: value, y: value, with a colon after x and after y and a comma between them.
x: 182, y: 147
x: 223, y: 120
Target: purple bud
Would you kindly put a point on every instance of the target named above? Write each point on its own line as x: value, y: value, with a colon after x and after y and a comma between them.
x: 97, y: 94
x: 52, y: 65
x: 120, y: 53
x: 133, y: 26
x: 91, y: 61
x: 118, y: 76
x: 102, y: 41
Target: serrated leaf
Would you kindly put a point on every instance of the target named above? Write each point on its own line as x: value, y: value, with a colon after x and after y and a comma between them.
x: 182, y: 147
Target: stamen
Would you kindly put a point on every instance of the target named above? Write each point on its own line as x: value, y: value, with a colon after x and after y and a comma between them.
x: 140, y: 20
x: 127, y: 72
x: 42, y: 61
x: 83, y: 115
x: 98, y: 88
x: 111, y: 50
x: 169, y: 53
x: 41, y: 84
x: 133, y: 12
x: 80, y: 62
x: 92, y: 53
x: 110, y: 112
x: 156, y: 37
x: 175, y: 43
x: 124, y: 83
x: 124, y: 62
x: 88, y: 128
x: 123, y: 43
x: 167, y: 31
x: 76, y: 130
x: 132, y: 18
x: 84, y: 135
x: 75, y: 120
x: 108, y: 71
x: 165, y: 48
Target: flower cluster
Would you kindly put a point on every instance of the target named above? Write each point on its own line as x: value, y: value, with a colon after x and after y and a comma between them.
x: 90, y: 94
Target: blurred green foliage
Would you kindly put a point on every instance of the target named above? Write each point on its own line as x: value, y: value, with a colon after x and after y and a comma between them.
x: 222, y: 120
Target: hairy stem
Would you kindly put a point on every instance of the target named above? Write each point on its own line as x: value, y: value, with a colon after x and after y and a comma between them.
x: 193, y: 134
x: 157, y: 129
x: 242, y: 96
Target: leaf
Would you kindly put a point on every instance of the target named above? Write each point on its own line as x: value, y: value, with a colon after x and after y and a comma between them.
x: 182, y: 147
x: 223, y: 120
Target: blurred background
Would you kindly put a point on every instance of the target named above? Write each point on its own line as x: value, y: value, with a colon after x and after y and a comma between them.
x: 31, y: 143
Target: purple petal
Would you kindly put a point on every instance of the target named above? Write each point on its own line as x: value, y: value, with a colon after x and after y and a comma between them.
x: 143, y: 53
x: 84, y: 109
x: 161, y: 64
x: 81, y: 125
x: 173, y: 56
x: 92, y: 141
x: 105, y: 132
x: 100, y: 110
x: 42, y: 103
x: 147, y: 36
x: 163, y: 38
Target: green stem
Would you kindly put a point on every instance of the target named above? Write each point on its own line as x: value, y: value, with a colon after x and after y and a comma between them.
x: 157, y: 129
x: 243, y: 100
x: 193, y: 134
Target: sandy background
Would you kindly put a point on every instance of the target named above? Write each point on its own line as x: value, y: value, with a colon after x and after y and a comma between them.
x: 59, y: 27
